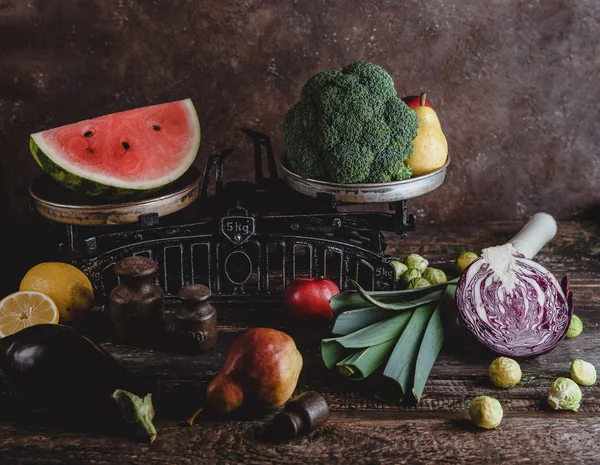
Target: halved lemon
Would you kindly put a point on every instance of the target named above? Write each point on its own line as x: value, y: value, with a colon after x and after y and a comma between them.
x: 26, y: 308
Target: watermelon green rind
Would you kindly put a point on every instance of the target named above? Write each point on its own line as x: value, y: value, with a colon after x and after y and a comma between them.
x: 94, y: 184
x: 76, y: 183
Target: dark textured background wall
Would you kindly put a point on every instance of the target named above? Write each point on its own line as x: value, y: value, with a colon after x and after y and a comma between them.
x: 515, y: 83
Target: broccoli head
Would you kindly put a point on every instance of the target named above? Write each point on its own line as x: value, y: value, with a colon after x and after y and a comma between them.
x: 350, y: 126
x: 297, y: 122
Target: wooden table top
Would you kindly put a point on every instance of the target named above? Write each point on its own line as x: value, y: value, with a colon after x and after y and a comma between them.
x: 360, y: 429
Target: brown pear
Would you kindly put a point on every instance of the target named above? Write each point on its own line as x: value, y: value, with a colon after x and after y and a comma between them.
x: 261, y: 371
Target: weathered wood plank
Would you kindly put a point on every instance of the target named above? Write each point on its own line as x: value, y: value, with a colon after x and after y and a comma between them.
x: 574, y: 250
x: 572, y: 238
x: 347, y: 438
x: 459, y: 375
x: 361, y: 429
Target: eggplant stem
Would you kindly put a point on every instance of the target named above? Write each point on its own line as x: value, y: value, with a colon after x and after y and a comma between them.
x: 190, y: 420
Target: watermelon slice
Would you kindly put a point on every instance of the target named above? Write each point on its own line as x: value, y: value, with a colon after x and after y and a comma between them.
x: 130, y: 153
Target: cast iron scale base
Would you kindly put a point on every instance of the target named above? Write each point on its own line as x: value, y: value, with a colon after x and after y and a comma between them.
x: 247, y: 241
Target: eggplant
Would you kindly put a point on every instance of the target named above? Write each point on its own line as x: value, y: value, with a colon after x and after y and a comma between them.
x: 67, y: 372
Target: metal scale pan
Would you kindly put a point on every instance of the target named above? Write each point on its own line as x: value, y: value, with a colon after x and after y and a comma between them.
x: 368, y: 193
x: 59, y: 204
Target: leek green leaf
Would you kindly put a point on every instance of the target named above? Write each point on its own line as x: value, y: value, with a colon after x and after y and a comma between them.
x: 332, y: 353
x: 427, y: 298
x: 433, y: 339
x: 399, y: 371
x: 375, y: 333
x: 352, y: 300
x: 347, y: 370
x: 333, y: 349
x: 362, y: 363
x: 353, y: 320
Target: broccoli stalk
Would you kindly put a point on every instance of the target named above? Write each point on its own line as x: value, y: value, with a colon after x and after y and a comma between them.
x: 350, y: 126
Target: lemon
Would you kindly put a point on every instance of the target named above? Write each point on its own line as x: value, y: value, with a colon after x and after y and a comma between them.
x: 26, y: 308
x: 66, y: 285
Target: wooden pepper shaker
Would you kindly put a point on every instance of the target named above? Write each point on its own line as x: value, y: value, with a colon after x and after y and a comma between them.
x: 192, y: 326
x: 301, y: 415
x: 136, y: 304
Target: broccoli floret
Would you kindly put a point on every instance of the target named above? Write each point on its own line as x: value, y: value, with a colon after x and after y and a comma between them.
x: 376, y: 79
x: 320, y: 81
x: 342, y: 112
x: 349, y: 163
x: 303, y: 158
x: 349, y: 126
x: 403, y: 124
x: 389, y: 165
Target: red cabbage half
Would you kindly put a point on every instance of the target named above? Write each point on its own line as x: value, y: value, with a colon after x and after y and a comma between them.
x: 513, y: 305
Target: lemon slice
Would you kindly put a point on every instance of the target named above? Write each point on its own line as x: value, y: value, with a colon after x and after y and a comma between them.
x: 26, y: 308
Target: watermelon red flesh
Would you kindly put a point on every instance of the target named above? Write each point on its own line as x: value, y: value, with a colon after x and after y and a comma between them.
x: 140, y: 149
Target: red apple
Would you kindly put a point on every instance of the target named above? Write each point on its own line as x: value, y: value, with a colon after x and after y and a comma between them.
x: 415, y: 101
x: 307, y: 299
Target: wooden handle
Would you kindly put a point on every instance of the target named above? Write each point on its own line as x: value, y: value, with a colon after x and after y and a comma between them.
x: 538, y: 231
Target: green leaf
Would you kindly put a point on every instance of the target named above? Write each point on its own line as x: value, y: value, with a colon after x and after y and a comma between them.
x: 137, y: 414
x: 399, y: 371
x: 332, y: 353
x: 362, y: 363
x: 352, y: 300
x: 344, y: 365
x: 353, y: 320
x: 428, y: 298
x: 374, y: 334
x: 432, y: 343
x: 333, y: 349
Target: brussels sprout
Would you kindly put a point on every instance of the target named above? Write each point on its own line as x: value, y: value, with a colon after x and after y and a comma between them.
x: 505, y: 372
x: 400, y: 268
x: 415, y: 261
x: 409, y: 275
x: 575, y: 328
x: 434, y: 276
x: 583, y: 373
x: 564, y: 394
x: 464, y: 260
x: 486, y: 412
x: 418, y: 282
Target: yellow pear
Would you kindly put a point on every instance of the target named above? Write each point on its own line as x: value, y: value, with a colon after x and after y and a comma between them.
x: 430, y: 146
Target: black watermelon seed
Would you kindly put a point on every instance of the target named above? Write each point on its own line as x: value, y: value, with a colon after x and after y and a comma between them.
x: 87, y: 134
x: 156, y: 127
x: 125, y: 145
x: 89, y: 150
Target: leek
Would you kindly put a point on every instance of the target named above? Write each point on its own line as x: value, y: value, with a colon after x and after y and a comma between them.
x: 362, y: 363
x: 433, y: 340
x: 399, y: 371
x: 352, y: 300
x: 427, y: 298
x: 353, y: 320
x: 333, y: 349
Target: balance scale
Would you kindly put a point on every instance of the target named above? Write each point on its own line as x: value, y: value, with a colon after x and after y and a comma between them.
x: 246, y: 241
